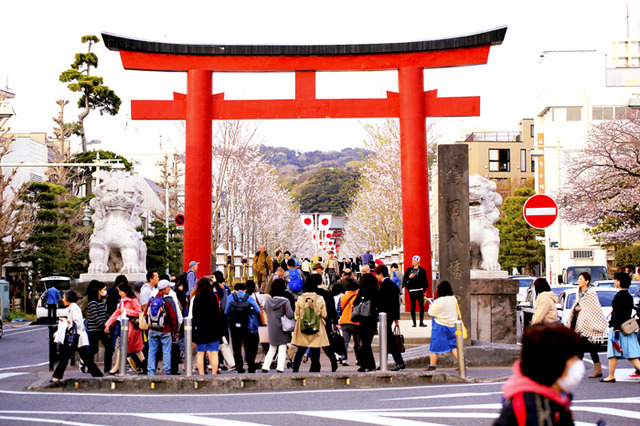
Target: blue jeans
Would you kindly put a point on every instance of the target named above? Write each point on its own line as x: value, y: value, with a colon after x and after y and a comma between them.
x: 158, y: 339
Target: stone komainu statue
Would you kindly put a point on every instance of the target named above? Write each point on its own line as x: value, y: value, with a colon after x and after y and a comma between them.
x: 484, y: 238
x: 116, y: 246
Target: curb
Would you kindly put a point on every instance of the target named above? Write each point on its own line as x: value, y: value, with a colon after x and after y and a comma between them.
x: 251, y: 382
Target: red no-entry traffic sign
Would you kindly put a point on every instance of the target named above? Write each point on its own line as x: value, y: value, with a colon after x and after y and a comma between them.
x: 540, y: 211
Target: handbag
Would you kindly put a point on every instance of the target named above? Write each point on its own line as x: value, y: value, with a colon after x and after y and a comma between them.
x: 361, y: 312
x: 288, y: 324
x: 135, y: 322
x: 71, y: 337
x: 263, y: 314
x: 629, y: 326
x: 397, y: 334
x: 464, y: 329
x: 142, y: 322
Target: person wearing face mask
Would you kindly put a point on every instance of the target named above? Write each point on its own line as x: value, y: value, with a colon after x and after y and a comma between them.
x: 549, y: 369
x: 96, y: 318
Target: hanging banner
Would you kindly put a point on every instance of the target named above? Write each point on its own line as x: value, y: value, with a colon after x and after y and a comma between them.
x: 324, y: 221
x: 307, y: 221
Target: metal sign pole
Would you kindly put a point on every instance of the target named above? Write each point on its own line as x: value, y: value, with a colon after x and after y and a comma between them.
x: 382, y: 334
x: 124, y: 346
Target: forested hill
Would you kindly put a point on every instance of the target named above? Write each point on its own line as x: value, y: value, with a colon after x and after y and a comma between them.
x: 287, y: 159
x: 322, y: 181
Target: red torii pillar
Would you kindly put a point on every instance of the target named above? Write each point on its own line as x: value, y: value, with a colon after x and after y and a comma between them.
x: 411, y: 105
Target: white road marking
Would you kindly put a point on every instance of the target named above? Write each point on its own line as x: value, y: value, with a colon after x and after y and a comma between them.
x: 362, y: 417
x: 628, y: 400
x: 195, y: 419
x: 23, y: 366
x: 610, y: 411
x: 446, y: 395
x: 15, y: 331
x: 41, y: 420
x: 7, y: 375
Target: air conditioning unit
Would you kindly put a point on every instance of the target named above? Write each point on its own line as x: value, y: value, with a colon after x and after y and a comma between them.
x: 582, y: 254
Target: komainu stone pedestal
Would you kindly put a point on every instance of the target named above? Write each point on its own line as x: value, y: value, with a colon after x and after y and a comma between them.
x: 493, y: 310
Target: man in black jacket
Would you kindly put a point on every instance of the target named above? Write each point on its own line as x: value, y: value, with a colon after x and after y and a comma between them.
x: 331, y: 321
x: 416, y: 282
x: 389, y: 302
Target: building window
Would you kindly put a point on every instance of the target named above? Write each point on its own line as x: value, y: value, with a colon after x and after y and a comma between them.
x: 574, y: 113
x: 532, y: 134
x: 523, y: 160
x: 499, y: 160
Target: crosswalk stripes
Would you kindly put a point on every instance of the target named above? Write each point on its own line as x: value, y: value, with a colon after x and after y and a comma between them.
x: 624, y: 411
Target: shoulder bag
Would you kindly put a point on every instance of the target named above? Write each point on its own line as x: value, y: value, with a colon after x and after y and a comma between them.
x: 361, y: 312
x: 288, y: 324
x: 71, y: 337
x: 630, y: 326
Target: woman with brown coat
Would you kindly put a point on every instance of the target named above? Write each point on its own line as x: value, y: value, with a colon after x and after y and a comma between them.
x: 316, y: 340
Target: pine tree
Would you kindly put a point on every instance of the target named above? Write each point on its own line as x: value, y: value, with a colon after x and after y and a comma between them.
x: 95, y: 95
x: 159, y: 253
x: 519, y: 244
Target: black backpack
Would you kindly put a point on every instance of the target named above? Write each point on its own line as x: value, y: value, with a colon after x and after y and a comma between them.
x: 239, y: 310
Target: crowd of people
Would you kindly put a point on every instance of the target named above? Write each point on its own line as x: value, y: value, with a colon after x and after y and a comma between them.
x: 292, y: 310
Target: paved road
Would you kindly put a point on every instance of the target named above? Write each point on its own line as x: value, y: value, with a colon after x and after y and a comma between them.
x: 23, y: 359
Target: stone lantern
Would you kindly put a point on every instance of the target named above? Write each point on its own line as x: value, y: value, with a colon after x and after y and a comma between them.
x: 395, y: 256
x: 221, y: 258
x: 237, y: 264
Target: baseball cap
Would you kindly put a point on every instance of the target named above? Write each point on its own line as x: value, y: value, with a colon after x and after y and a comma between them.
x: 416, y: 257
x: 163, y: 284
x: 193, y: 263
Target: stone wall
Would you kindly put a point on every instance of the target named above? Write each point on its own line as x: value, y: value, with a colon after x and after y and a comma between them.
x: 493, y: 310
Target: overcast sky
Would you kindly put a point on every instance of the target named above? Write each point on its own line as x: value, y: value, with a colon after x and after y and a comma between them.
x: 40, y: 39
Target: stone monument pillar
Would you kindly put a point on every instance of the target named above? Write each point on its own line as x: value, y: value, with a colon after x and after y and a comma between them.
x: 453, y: 223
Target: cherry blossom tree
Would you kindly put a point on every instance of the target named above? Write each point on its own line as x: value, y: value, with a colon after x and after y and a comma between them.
x: 375, y: 218
x: 251, y: 207
x: 602, y: 188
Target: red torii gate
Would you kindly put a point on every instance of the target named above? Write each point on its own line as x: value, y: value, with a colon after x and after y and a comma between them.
x: 411, y: 105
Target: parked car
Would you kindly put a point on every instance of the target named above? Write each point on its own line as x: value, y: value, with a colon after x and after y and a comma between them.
x: 634, y: 288
x: 525, y: 281
x: 528, y: 306
x: 568, y: 297
x: 62, y: 283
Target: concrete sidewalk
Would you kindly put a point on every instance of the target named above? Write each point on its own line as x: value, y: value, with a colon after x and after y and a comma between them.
x: 485, y: 362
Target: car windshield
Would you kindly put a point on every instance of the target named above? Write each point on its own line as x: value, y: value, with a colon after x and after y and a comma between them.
x: 525, y: 282
x: 634, y: 287
x: 605, y: 298
x: 598, y: 273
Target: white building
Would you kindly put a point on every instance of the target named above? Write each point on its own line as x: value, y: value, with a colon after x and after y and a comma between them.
x: 578, y: 90
x: 29, y: 148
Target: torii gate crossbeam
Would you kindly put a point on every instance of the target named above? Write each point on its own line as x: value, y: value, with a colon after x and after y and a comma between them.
x: 411, y: 105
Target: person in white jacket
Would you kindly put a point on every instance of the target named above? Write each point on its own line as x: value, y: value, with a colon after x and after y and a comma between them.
x: 80, y: 343
x: 444, y: 313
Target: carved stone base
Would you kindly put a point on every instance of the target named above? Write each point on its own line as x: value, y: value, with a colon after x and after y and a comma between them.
x: 477, y: 274
x: 493, y: 310
x: 111, y: 277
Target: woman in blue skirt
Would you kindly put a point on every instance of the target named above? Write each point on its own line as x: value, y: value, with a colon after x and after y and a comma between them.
x: 444, y: 313
x: 622, y: 305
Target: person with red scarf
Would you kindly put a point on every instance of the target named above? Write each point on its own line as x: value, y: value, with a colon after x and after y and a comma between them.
x: 550, y: 368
